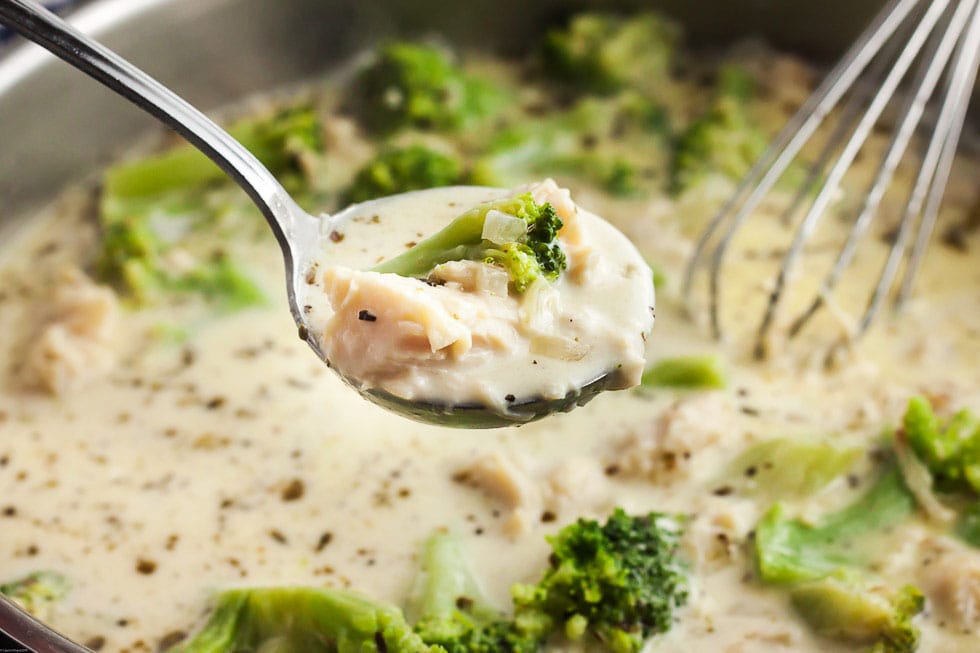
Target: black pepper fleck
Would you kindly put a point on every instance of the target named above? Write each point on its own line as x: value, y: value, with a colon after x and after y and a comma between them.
x: 324, y: 540
x: 294, y: 490
x: 723, y: 491
x: 145, y: 567
x: 366, y: 316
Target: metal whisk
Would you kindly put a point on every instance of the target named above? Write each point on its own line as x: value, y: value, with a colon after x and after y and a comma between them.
x: 940, y: 39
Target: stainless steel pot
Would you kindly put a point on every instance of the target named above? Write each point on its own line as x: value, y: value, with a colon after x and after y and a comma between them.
x: 57, y: 126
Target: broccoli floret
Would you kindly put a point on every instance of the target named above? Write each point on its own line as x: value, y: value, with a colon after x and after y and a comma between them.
x: 278, y: 141
x: 36, y: 591
x: 614, y: 142
x: 724, y: 140
x: 620, y: 581
x: 845, y: 607
x: 453, y: 612
x: 534, y: 253
x: 601, y: 52
x: 153, y: 205
x: 705, y: 372
x: 417, y: 85
x: 303, y: 620
x: 790, y: 467
x: 789, y: 550
x: 951, y: 451
x: 397, y: 170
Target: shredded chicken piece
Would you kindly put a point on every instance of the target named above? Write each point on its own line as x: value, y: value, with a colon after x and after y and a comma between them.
x: 384, y: 325
x: 77, y: 343
x: 952, y: 583
x: 576, y: 486
x: 508, y: 482
x: 663, y: 452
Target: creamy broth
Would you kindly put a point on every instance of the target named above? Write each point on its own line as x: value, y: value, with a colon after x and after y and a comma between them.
x: 227, y: 455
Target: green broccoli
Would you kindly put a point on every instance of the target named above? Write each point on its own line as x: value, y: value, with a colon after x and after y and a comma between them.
x: 951, y: 451
x: 620, y: 581
x: 790, y: 551
x: 35, y: 592
x: 532, y: 253
x: 417, y: 85
x: 789, y: 467
x: 968, y: 524
x: 303, y: 620
x: 724, y: 140
x: 453, y: 613
x: 602, y: 52
x: 152, y: 206
x: 615, y: 142
x: 397, y: 170
x: 821, y: 565
x: 705, y: 372
x: 845, y: 607
x: 278, y: 141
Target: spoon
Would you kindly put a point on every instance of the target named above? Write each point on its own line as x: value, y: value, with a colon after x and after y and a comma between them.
x: 297, y: 232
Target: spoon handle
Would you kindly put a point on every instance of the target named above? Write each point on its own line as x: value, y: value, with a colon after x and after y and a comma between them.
x: 99, y: 62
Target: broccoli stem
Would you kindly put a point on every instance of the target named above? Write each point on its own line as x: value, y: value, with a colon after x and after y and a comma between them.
x: 691, y: 372
x: 451, y: 243
x: 185, y: 167
x: 303, y: 620
x: 790, y: 551
x: 446, y: 580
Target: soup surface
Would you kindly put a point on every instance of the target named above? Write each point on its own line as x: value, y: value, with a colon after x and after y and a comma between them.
x: 165, y: 435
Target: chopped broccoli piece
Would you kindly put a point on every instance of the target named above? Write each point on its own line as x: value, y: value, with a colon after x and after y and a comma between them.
x: 968, y: 525
x: 951, y: 451
x: 692, y: 372
x: 790, y: 551
x: 602, y: 52
x: 303, y: 620
x: 613, y: 142
x: 35, y: 592
x: 790, y: 467
x: 417, y: 85
x: 534, y: 254
x: 844, y: 607
x: 722, y: 141
x: 152, y: 206
x: 397, y: 170
x: 620, y: 581
x: 453, y: 612
x: 277, y: 141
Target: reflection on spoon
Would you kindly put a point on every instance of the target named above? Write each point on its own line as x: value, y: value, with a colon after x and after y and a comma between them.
x: 488, y: 321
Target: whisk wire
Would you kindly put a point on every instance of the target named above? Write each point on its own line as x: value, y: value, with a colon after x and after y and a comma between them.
x: 944, y: 37
x: 787, y: 144
x: 921, y: 89
x: 817, y: 210
x: 949, y: 126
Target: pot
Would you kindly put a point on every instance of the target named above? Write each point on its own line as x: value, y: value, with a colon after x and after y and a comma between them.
x: 57, y: 126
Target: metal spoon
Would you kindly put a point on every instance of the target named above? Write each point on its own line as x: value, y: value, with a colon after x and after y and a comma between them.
x: 297, y: 232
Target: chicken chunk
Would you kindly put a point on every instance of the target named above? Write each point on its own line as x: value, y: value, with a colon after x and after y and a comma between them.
x: 76, y: 345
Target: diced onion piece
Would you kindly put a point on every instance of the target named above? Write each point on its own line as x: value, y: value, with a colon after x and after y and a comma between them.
x: 560, y: 347
x: 500, y: 228
x: 540, y: 307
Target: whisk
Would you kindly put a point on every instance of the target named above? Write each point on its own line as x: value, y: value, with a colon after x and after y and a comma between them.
x: 940, y: 40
